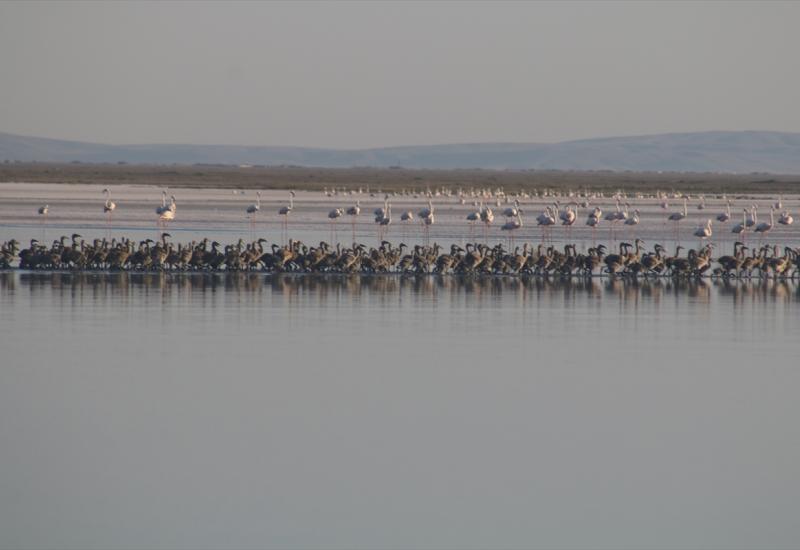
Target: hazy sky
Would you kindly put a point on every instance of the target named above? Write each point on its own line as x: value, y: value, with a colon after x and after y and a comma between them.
x: 376, y: 74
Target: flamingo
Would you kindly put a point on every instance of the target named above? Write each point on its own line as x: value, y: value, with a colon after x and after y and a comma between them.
x: 109, y: 206
x: 334, y: 215
x: 253, y: 209
x: 427, y: 216
x: 593, y: 220
x: 353, y: 212
x: 472, y: 218
x: 779, y: 204
x: 285, y: 211
x: 614, y: 217
x: 512, y: 226
x: 704, y: 231
x: 168, y: 212
x: 678, y: 216
x: 43, y: 211
x: 633, y: 220
x: 546, y: 219
x: 487, y: 217
x: 161, y: 209
x: 725, y: 216
x: 512, y: 211
x: 765, y: 227
x: 741, y: 228
x: 406, y: 217
x: 568, y: 218
x: 753, y: 218
x: 785, y: 218
x: 256, y: 206
x: 386, y: 221
x: 425, y: 212
x: 702, y: 205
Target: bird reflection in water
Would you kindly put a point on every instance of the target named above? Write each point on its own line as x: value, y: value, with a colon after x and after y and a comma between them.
x: 478, y: 290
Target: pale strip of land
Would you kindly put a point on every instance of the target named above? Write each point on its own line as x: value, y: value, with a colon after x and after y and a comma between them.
x: 388, y: 179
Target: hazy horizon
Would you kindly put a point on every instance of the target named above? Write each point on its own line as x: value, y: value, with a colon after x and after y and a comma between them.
x: 358, y: 75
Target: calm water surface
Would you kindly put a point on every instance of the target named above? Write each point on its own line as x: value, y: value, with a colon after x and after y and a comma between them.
x: 252, y: 411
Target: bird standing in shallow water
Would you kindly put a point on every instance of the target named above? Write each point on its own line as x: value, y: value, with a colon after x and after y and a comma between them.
x: 285, y: 211
x: 108, y: 206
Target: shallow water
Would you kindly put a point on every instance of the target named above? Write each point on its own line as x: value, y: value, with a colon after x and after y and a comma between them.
x: 256, y: 411
x: 220, y: 214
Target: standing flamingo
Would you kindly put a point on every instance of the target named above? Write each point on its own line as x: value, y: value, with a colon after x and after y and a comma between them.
x: 614, y: 217
x: 765, y: 227
x: 253, y: 209
x: 406, y: 217
x: 633, y: 220
x: 741, y: 228
x: 704, y: 231
x: 108, y: 206
x: 593, y: 220
x: 285, y: 211
x: 546, y: 219
x: 487, y: 217
x: 43, y: 211
x: 568, y: 217
x: 725, y: 216
x: 677, y: 217
x: 334, y: 215
x: 702, y: 205
x: 427, y: 217
x: 167, y: 212
x: 385, y: 222
x: 353, y: 212
x: 512, y: 226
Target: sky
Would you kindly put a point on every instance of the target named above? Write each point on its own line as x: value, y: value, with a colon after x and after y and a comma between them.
x: 353, y: 75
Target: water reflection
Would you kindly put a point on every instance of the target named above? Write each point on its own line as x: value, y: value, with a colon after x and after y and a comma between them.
x: 478, y: 290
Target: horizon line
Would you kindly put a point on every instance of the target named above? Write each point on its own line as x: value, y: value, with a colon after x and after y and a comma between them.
x: 385, y: 147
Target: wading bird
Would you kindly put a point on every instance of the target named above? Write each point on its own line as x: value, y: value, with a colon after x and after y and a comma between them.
x: 108, y: 206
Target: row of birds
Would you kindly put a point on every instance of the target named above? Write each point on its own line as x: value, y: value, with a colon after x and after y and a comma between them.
x: 551, y: 215
x: 475, y: 258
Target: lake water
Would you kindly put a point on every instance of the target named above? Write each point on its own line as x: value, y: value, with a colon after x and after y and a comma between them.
x: 256, y: 411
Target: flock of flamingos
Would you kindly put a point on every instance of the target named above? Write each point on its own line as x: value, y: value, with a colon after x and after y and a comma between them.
x: 630, y: 259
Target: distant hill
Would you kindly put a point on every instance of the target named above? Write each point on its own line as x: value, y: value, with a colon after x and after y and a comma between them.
x: 775, y: 152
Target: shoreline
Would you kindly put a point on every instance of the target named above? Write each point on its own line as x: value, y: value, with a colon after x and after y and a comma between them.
x: 389, y: 179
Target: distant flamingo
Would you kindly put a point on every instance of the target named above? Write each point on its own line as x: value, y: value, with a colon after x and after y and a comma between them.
x: 167, y: 213
x: 428, y: 219
x: 725, y: 216
x: 546, y: 219
x: 741, y: 228
x: 406, y: 217
x: 385, y: 221
x: 633, y: 220
x: 334, y: 215
x: 108, y: 206
x: 253, y: 209
x: 285, y: 211
x: 702, y: 205
x: 487, y: 217
x: 568, y: 217
x: 704, y: 231
x: 353, y: 212
x: 677, y: 217
x: 593, y: 220
x: 765, y: 227
x: 512, y: 226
